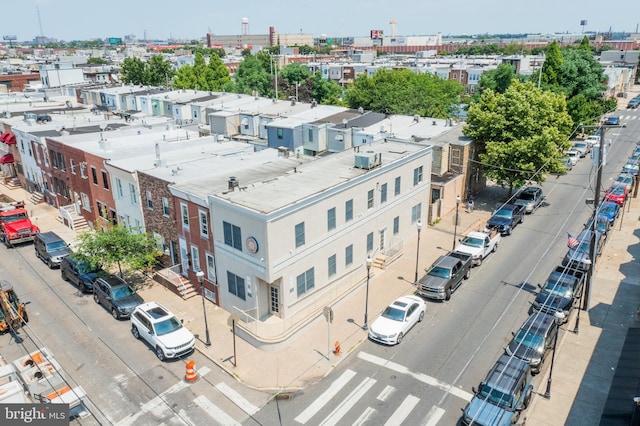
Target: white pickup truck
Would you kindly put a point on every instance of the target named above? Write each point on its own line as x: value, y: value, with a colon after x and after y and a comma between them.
x: 479, y: 244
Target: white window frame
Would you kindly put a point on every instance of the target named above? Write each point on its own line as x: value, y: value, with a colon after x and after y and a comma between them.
x: 203, y: 221
x: 184, y: 215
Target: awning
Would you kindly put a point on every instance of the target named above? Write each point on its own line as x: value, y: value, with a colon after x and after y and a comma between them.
x: 3, y: 136
x: 10, y: 139
x: 6, y: 159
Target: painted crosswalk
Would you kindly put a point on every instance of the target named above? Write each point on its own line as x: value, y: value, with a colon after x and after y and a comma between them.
x: 341, y: 406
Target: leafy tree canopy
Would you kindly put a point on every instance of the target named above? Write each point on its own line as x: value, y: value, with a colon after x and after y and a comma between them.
x: 404, y: 92
x: 97, y: 61
x: 117, y: 246
x: 252, y: 78
x: 522, y: 133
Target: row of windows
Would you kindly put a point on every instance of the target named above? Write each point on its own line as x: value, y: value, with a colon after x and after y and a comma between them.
x: 348, y: 206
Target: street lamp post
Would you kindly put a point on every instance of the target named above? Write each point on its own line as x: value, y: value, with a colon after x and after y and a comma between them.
x: 558, y: 321
x: 200, y: 277
x: 366, y: 300
x: 455, y: 225
x: 419, y: 226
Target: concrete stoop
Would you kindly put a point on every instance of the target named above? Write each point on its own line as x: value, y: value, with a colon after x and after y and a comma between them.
x: 12, y: 183
x: 179, y: 285
x: 36, y: 197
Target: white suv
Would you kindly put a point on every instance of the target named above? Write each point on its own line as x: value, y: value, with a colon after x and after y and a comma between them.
x: 162, y: 330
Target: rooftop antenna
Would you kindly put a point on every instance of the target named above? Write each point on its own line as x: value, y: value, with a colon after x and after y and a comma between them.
x: 39, y: 21
x: 583, y: 23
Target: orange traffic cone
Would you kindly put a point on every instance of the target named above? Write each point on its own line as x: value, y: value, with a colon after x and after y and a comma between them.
x: 191, y: 375
x: 336, y: 346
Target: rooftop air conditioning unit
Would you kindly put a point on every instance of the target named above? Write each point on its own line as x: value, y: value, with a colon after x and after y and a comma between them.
x: 368, y: 160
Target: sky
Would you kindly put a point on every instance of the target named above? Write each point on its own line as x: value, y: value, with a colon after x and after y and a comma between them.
x: 192, y: 19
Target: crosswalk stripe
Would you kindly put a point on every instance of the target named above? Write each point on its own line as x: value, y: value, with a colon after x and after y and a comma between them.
x: 403, y: 411
x: 237, y: 399
x: 323, y: 399
x: 386, y: 392
x: 434, y: 415
x: 368, y: 412
x: 432, y: 381
x: 216, y: 413
x: 349, y: 402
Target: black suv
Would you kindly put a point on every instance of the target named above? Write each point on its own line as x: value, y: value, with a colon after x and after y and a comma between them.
x: 81, y: 274
x: 578, y: 257
x: 502, y: 395
x: 116, y: 295
x: 534, y: 339
x: 505, y: 218
x: 51, y: 248
x: 558, y: 293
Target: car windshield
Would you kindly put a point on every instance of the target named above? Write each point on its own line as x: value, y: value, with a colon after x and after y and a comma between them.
x: 503, y: 213
x: 557, y: 289
x: 57, y: 245
x: 580, y: 145
x: 530, y: 340
x: 14, y: 217
x: 167, y: 326
x: 609, y: 210
x: 624, y: 179
x: 394, y: 314
x: 526, y: 196
x: 495, y: 396
x: 472, y: 241
x: 440, y: 272
x: 617, y: 190
x: 122, y: 292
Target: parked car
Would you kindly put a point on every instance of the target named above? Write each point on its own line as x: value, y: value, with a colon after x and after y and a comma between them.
x: 558, y: 293
x: 81, y: 274
x: 116, y: 295
x: 633, y: 103
x: 530, y: 198
x: 160, y: 328
x: 50, y: 248
x: 631, y: 167
x: 610, y: 210
x: 626, y: 179
x: 397, y: 319
x: 583, y: 148
x: 505, y: 218
x: 502, y: 395
x: 579, y: 257
x: 612, y: 120
x: 534, y: 340
x: 617, y: 193
x: 573, y: 156
x: 602, y: 225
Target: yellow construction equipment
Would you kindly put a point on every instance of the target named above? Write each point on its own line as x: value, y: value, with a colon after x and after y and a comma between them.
x: 13, y: 313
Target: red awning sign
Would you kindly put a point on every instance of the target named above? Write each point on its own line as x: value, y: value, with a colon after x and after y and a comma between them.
x: 6, y: 159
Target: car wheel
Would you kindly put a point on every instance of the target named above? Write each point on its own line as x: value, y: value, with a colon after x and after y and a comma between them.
x: 421, y: 317
x: 50, y: 264
x: 96, y: 298
x: 495, y: 248
x: 508, y: 231
x: 468, y: 274
x: 479, y: 261
x: 399, y: 339
x: 114, y: 313
x: 527, y: 399
x: 64, y: 275
x: 135, y: 332
x: 447, y: 294
x: 161, y: 357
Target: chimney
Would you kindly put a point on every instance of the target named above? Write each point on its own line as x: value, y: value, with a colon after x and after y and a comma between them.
x: 233, y: 183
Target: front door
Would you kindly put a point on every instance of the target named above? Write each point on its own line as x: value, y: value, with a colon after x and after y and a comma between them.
x: 184, y: 256
x: 383, y: 237
x: 274, y: 300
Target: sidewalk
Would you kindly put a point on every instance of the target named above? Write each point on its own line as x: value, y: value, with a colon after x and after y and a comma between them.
x: 583, y: 368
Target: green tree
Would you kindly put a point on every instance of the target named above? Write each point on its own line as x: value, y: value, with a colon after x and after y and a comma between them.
x: 522, y: 133
x: 117, y: 246
x: 97, y: 61
x: 404, y: 92
x: 325, y: 92
x: 185, y: 78
x: 552, y: 64
x: 160, y: 72
x: 252, y: 78
x: 498, y: 79
x: 134, y: 71
x: 219, y: 74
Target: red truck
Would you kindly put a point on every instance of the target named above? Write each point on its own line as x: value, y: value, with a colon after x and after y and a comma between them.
x: 15, y: 225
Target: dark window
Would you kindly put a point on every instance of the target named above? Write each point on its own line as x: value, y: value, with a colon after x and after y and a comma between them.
x: 370, y: 199
x: 348, y: 255
x: 331, y: 265
x: 94, y: 175
x: 348, y: 210
x: 105, y: 180
x: 331, y: 219
x: 232, y: 235
x: 396, y: 188
x: 236, y: 285
x: 417, y: 175
x: 299, y: 234
x: 370, y: 241
x: 305, y: 282
x: 383, y: 193
x: 396, y: 225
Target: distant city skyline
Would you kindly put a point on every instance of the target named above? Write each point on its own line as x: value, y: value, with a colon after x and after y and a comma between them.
x: 80, y: 20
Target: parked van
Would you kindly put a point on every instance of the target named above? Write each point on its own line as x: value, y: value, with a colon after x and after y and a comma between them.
x: 50, y: 248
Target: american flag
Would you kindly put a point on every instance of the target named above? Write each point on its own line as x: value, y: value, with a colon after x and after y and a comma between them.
x: 572, y: 241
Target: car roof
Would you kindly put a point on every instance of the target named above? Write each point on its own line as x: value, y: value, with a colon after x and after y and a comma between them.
x: 154, y: 311
x: 113, y: 281
x: 538, y: 323
x: 506, y: 373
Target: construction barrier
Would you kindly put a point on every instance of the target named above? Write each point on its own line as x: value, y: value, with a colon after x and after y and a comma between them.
x: 336, y: 346
x: 191, y: 375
